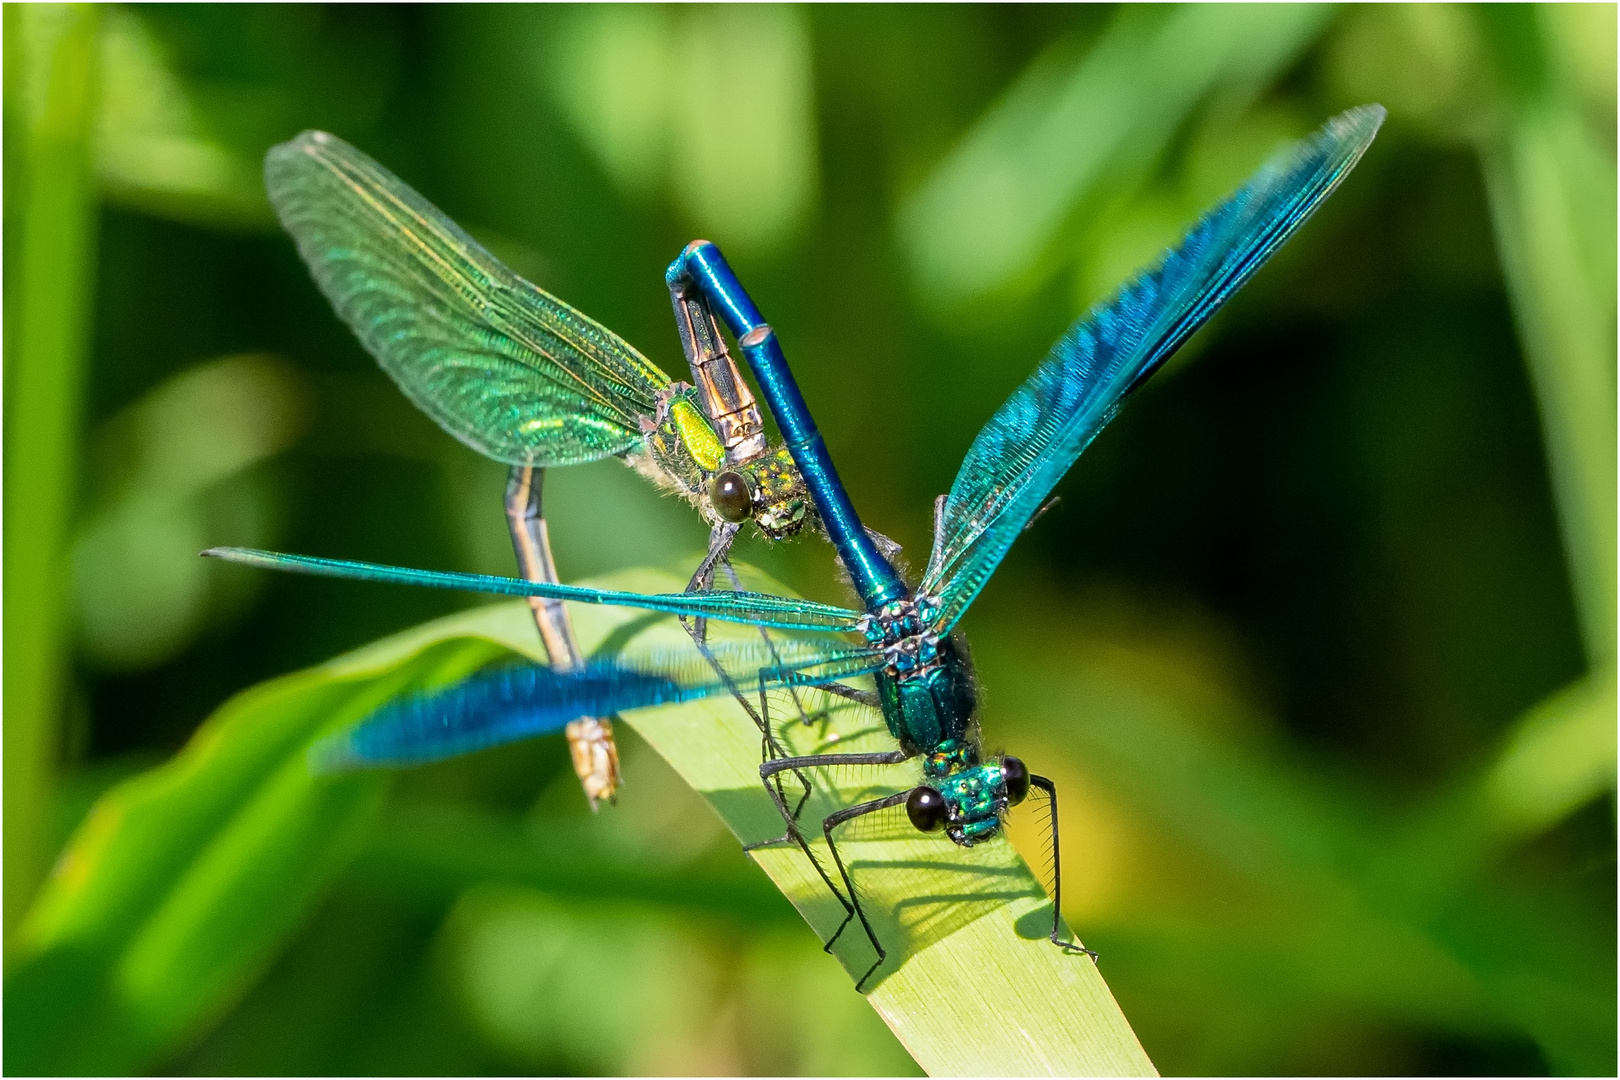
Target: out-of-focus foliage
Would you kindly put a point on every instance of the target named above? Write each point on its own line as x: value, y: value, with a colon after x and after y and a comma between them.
x: 1319, y: 645
x: 743, y: 73
x: 172, y: 458
x: 1076, y: 133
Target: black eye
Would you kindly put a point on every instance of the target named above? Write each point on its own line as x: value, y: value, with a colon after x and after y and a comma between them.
x: 732, y: 499
x: 1017, y: 779
x: 926, y: 808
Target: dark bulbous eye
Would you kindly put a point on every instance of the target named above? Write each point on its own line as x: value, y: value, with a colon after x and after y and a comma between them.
x: 732, y: 499
x: 1017, y: 779
x: 926, y: 808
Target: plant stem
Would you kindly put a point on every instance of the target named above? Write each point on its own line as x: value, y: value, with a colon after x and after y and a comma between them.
x: 1543, y: 173
x: 51, y: 54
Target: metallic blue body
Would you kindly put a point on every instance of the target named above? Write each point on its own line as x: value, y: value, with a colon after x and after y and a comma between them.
x: 926, y: 686
x: 875, y: 580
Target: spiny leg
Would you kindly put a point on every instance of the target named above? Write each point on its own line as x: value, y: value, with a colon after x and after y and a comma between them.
x: 1057, y: 872
x: 828, y: 824
x: 721, y: 537
x: 869, y: 698
x: 770, y: 644
x: 769, y: 769
x: 794, y: 835
x: 770, y: 749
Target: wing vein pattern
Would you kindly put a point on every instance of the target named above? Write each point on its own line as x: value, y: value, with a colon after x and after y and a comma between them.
x: 500, y: 364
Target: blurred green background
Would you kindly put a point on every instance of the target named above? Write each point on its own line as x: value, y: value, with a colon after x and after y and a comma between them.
x: 1319, y: 643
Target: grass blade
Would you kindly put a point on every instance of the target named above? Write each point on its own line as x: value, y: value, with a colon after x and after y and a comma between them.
x: 184, y: 880
x: 50, y: 208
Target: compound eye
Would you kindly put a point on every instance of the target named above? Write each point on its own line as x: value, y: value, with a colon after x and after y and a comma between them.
x: 733, y: 501
x: 926, y: 809
x: 1017, y: 779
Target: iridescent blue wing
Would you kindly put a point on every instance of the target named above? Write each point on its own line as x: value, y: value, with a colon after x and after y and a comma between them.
x: 507, y: 704
x: 511, y: 371
x: 1033, y: 439
x: 752, y: 609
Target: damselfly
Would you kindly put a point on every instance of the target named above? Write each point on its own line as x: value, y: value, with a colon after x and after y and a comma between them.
x: 523, y: 378
x: 909, y: 643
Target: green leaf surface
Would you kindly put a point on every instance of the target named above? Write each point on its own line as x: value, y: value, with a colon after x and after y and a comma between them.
x: 972, y: 986
x: 1311, y: 881
x: 191, y: 875
x: 183, y: 881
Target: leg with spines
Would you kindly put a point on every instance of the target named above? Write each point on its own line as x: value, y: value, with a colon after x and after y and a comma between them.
x: 852, y: 904
x: 1050, y: 789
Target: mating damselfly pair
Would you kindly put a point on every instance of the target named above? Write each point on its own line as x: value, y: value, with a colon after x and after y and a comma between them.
x: 525, y: 379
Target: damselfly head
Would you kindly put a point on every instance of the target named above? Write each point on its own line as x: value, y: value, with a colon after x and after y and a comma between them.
x: 965, y: 797
x: 768, y: 489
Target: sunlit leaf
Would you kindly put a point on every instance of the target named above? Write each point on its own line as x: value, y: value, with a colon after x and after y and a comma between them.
x: 736, y: 144
x: 609, y: 74
x: 151, y: 150
x: 183, y: 881
x: 1308, y: 877
x: 1559, y: 758
x: 1552, y: 202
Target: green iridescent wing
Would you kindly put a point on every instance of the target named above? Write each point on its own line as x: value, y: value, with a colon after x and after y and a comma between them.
x: 512, y: 372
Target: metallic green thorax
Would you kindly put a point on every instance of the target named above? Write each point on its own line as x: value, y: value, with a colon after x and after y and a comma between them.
x: 682, y: 448
x: 928, y: 708
x: 695, y: 434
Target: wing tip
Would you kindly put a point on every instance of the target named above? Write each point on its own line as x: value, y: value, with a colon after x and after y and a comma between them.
x: 282, y: 161
x: 309, y: 141
x: 1357, y: 126
x: 1372, y: 113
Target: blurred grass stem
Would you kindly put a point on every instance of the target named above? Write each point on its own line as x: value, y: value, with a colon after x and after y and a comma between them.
x: 51, y: 53
x: 1546, y: 180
